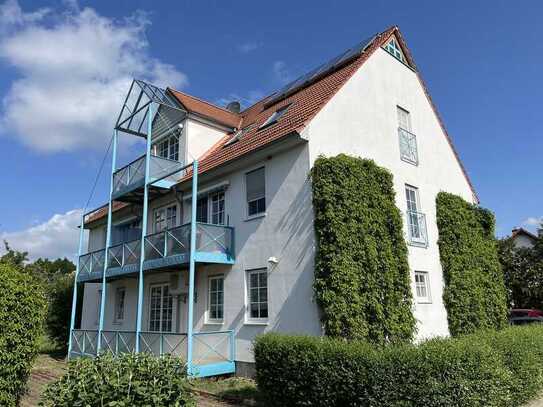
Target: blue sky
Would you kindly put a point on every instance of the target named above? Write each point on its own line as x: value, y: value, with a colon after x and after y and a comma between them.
x: 65, y: 65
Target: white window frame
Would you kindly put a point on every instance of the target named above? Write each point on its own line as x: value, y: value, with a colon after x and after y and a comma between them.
x: 248, y: 318
x: 211, y: 207
x: 165, y: 209
x: 210, y: 320
x: 170, y: 141
x: 406, y: 138
x: 118, y: 305
x: 258, y: 214
x: 423, y: 299
x: 422, y: 240
x: 151, y: 286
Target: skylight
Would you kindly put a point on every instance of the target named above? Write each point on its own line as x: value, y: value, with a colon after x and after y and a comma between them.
x: 237, y: 135
x: 275, y: 117
x: 394, y: 49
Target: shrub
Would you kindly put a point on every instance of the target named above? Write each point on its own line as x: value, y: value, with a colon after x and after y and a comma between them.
x: 60, y: 308
x: 131, y: 379
x: 484, y: 369
x: 22, y: 311
x: 474, y: 293
x: 362, y: 280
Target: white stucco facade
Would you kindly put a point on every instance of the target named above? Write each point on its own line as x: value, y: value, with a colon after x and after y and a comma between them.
x: 360, y: 120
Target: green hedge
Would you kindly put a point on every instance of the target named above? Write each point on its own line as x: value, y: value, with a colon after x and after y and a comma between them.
x: 474, y: 293
x: 131, y: 379
x: 22, y: 311
x: 485, y: 369
x: 362, y: 280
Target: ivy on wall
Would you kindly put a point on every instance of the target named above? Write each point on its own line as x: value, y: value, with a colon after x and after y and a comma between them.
x: 362, y: 280
x: 474, y: 294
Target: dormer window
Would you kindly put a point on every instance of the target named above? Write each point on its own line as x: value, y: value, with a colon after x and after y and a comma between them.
x: 393, y: 48
x: 274, y: 117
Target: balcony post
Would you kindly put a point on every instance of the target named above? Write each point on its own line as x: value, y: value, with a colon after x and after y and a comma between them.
x: 108, y: 242
x: 74, y: 296
x: 192, y: 264
x: 144, y: 223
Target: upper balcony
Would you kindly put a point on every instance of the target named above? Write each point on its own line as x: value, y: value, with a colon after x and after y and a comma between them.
x: 162, y: 250
x: 129, y: 180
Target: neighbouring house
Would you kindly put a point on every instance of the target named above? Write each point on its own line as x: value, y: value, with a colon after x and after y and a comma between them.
x: 523, y: 238
x: 199, y: 265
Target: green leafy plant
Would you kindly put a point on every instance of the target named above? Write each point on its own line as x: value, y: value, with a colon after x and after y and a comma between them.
x: 474, y: 293
x: 362, y: 281
x: 131, y: 379
x: 60, y: 308
x: 523, y: 273
x: 22, y: 311
x: 485, y: 369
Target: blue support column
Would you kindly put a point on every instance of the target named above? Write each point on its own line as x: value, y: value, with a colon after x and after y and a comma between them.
x: 108, y: 243
x: 144, y: 223
x: 74, y: 297
x: 194, y: 199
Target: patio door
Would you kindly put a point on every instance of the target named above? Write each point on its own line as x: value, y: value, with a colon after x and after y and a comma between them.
x: 161, y: 308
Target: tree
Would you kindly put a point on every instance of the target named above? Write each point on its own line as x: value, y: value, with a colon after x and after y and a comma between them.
x: 13, y: 257
x: 523, y: 272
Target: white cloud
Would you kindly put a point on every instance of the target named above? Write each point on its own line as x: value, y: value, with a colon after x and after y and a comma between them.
x: 74, y: 69
x: 57, y: 237
x: 533, y: 221
x: 247, y: 47
x: 281, y: 73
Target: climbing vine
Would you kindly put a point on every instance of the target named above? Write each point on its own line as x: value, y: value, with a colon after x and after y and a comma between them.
x: 362, y: 281
x: 474, y: 293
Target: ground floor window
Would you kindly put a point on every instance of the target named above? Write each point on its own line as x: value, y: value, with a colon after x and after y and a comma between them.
x: 120, y: 294
x: 422, y: 287
x: 161, y: 308
x: 216, y: 299
x: 257, y: 295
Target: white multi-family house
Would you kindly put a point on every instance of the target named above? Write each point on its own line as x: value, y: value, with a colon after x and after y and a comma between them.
x: 208, y: 239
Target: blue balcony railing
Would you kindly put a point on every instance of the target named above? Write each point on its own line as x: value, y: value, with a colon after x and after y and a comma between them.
x: 91, y: 265
x: 214, y: 244
x: 213, y: 351
x: 132, y: 176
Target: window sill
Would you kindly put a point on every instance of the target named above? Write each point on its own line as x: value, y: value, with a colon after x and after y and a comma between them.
x: 424, y: 302
x: 253, y: 217
x: 416, y: 244
x: 256, y: 323
x: 214, y: 323
x: 408, y: 161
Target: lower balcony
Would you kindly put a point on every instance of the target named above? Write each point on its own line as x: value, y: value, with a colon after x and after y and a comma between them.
x: 163, y: 250
x: 213, y: 351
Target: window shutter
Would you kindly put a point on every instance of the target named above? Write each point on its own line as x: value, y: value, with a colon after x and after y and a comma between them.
x: 255, y: 184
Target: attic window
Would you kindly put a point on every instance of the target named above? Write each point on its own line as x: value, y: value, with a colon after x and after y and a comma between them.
x: 394, y: 49
x: 237, y: 135
x: 274, y: 117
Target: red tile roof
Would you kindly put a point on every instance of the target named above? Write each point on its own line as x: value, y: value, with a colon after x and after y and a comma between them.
x: 305, y: 103
x: 206, y: 109
x: 100, y: 212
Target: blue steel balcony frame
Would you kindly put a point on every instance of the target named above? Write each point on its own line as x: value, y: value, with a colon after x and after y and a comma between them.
x: 151, y: 112
x: 170, y: 247
x: 214, y: 353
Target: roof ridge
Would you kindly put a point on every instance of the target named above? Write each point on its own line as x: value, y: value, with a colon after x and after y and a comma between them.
x: 204, y: 101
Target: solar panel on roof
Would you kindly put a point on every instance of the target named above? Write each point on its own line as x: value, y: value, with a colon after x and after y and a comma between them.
x: 321, y: 70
